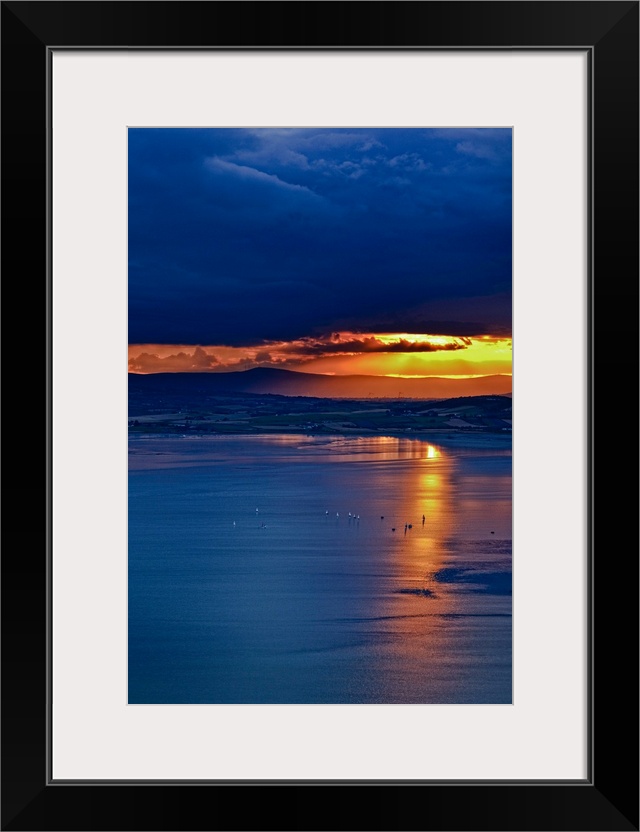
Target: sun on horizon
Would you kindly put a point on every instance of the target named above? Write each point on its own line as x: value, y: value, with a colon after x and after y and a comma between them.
x: 396, y: 355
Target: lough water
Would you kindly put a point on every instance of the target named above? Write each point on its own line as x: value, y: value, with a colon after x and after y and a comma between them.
x: 249, y: 581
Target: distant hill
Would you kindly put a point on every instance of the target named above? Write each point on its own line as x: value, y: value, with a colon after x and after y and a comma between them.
x: 265, y: 380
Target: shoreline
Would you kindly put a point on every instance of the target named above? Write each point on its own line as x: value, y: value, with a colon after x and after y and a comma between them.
x: 452, y: 438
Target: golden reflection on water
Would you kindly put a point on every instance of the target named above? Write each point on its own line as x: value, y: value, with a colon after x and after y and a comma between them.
x: 383, y: 448
x: 418, y: 610
x: 427, y: 507
x: 423, y: 637
x: 410, y: 609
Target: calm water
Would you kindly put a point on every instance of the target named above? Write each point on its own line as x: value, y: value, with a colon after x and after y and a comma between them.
x: 294, y: 604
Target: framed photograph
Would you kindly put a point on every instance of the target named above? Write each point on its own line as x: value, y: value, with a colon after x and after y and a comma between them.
x: 327, y: 286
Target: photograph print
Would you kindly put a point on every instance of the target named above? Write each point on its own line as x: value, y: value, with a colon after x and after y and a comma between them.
x: 319, y: 416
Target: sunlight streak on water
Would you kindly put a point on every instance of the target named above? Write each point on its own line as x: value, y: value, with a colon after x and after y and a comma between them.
x: 313, y: 597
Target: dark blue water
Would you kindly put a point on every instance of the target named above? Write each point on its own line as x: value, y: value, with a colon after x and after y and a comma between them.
x: 294, y: 604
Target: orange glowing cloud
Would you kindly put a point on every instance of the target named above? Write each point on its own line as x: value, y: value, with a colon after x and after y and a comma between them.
x: 340, y: 353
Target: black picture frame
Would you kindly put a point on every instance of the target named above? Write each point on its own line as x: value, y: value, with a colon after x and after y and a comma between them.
x: 608, y: 798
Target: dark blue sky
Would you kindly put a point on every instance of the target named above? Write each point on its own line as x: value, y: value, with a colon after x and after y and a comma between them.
x: 240, y: 236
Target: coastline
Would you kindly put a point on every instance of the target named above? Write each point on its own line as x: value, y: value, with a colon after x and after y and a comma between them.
x: 451, y: 438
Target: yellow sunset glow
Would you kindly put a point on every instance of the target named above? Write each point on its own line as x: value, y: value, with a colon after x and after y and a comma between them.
x: 402, y: 355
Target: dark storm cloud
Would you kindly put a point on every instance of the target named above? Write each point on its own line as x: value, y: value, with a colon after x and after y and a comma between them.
x: 368, y: 345
x: 242, y: 236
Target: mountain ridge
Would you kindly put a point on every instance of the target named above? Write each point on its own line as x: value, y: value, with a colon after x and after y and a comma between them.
x: 274, y: 380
